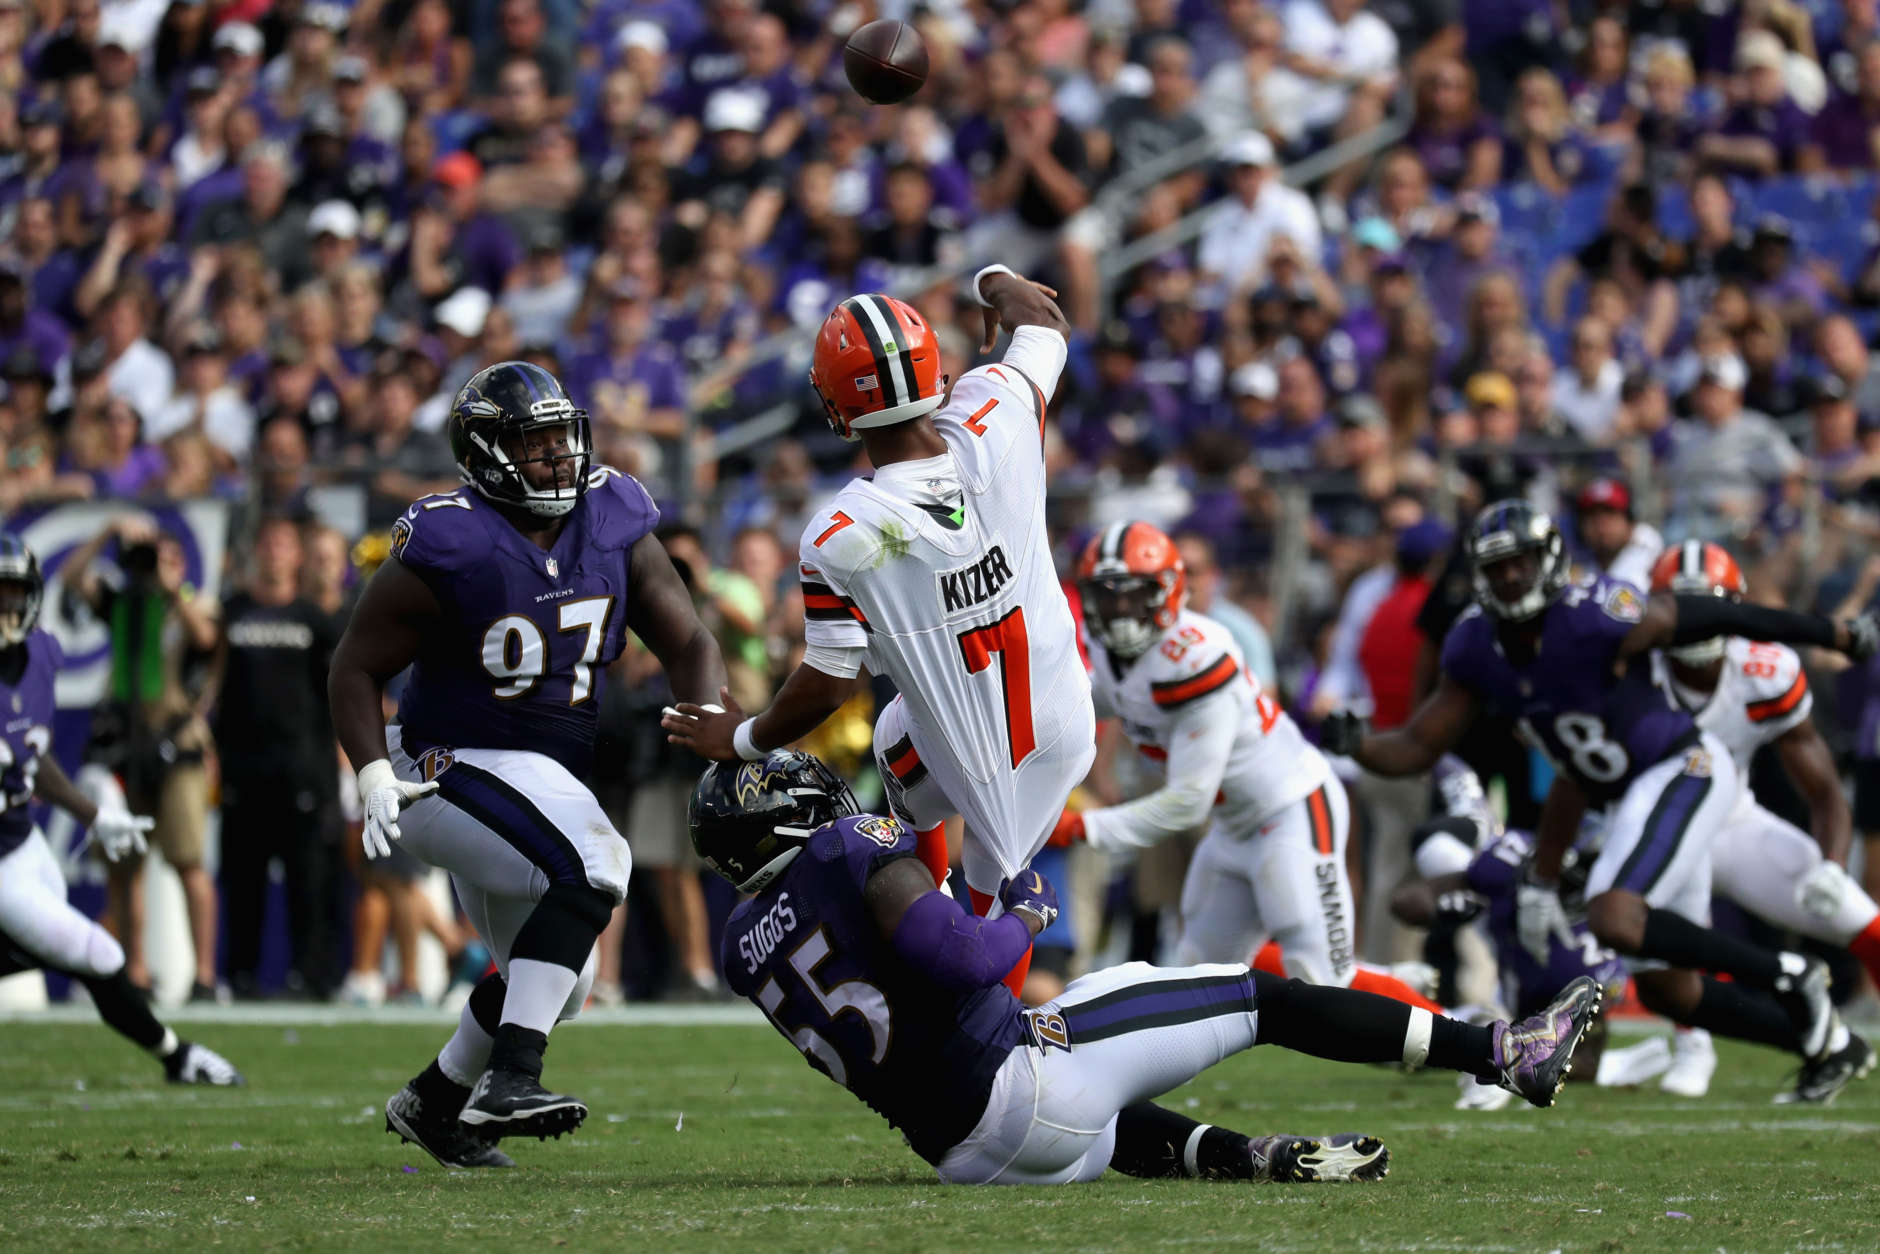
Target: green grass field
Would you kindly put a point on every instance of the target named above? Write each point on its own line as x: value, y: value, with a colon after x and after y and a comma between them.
x: 97, y: 1153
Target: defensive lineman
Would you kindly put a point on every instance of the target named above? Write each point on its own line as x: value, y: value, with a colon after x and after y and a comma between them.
x: 506, y: 598
x: 1567, y: 659
x: 890, y: 989
x: 38, y: 926
x: 1272, y: 865
x: 937, y: 572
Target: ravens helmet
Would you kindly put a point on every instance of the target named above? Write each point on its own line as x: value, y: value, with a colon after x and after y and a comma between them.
x: 513, y: 416
x: 1521, y: 540
x: 21, y: 590
x: 749, y: 819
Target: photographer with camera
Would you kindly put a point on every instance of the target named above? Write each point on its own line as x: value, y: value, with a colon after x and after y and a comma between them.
x: 151, y: 729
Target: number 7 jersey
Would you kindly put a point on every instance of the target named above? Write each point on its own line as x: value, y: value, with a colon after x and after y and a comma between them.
x: 941, y: 571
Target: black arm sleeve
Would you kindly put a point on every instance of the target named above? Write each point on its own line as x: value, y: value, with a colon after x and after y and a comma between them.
x: 1700, y: 617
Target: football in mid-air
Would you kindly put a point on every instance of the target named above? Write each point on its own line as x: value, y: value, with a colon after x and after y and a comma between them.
x: 886, y: 61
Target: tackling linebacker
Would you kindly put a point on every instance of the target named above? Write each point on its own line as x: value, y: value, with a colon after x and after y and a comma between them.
x: 891, y: 990
x: 38, y: 927
x: 506, y: 598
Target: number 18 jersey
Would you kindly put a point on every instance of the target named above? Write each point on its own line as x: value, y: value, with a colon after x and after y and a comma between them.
x: 941, y: 570
x: 1599, y: 730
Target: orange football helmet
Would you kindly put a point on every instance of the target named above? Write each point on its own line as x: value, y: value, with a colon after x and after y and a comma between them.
x: 877, y: 363
x: 1698, y: 568
x: 1133, y: 585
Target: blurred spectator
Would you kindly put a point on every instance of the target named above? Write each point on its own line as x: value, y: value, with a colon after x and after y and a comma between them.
x: 1839, y: 346
x: 737, y: 615
x: 1670, y: 127
x: 1234, y: 248
x: 151, y: 728
x: 1460, y: 146
x: 1350, y: 57
x: 732, y: 177
x: 453, y: 242
x: 260, y: 213
x: 1764, y: 130
x: 275, y: 749
x: 1255, y: 88
x: 207, y: 402
x: 1587, y: 393
x: 1618, y: 543
x: 403, y: 463
x: 1845, y: 135
x: 1035, y: 180
x: 1208, y: 594
x: 1724, y: 460
x: 1542, y: 145
x: 522, y: 33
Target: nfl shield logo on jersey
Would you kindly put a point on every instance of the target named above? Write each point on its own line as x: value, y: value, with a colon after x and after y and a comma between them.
x: 554, y: 568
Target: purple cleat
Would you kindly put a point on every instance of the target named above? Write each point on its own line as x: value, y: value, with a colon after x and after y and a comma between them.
x: 1534, y: 1056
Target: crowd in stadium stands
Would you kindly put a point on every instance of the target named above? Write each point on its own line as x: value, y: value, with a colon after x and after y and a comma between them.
x: 249, y: 249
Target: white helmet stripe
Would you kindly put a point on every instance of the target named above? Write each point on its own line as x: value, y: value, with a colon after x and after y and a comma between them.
x: 887, y: 331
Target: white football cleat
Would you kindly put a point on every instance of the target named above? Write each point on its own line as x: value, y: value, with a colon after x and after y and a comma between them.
x: 1693, y: 1062
x: 1482, y: 1096
x: 1635, y: 1064
x: 198, y: 1064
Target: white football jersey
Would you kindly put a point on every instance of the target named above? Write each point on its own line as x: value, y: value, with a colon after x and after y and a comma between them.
x: 1192, y: 708
x: 1761, y: 693
x: 949, y: 585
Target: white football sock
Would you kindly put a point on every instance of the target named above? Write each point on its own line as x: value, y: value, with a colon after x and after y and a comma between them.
x: 466, y: 1055
x: 537, y: 992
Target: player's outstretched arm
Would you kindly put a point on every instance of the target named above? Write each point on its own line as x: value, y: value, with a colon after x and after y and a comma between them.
x: 1433, y: 730
x: 661, y: 613
x: 1199, y: 747
x: 1684, y: 619
x: 807, y: 698
x: 1810, y: 764
x: 1013, y: 301
x: 381, y: 640
x: 116, y: 831
x: 954, y: 949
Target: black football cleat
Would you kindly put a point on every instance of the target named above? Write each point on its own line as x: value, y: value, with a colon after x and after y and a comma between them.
x: 513, y: 1103
x: 438, y: 1133
x: 1821, y: 1082
x: 1298, y: 1159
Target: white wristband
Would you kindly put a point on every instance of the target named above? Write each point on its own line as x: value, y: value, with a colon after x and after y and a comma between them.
x: 374, y: 775
x: 746, y: 747
x: 995, y: 268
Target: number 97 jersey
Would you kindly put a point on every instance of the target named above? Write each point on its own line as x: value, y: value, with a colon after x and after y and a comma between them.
x: 512, y: 663
x: 1599, y: 730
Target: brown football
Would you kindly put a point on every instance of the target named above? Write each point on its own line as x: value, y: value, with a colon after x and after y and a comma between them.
x: 886, y: 61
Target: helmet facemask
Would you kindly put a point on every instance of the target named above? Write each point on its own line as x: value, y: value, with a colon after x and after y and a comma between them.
x: 19, y: 608
x: 555, y: 439
x: 1121, y: 612
x: 1515, y: 580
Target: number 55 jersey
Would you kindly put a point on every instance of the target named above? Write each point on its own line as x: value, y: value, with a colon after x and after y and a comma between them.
x: 938, y: 573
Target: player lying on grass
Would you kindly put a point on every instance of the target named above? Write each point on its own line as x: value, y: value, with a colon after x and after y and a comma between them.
x: 39, y: 929
x: 1568, y: 660
x: 892, y: 990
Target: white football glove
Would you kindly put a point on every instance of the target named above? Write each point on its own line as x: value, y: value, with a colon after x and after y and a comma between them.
x: 1539, y: 919
x: 120, y: 833
x: 1822, y: 890
x: 382, y: 795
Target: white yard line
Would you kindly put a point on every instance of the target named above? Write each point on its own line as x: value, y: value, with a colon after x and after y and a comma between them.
x: 297, y: 1015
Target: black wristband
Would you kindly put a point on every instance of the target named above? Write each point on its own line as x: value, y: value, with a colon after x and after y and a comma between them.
x: 1701, y: 617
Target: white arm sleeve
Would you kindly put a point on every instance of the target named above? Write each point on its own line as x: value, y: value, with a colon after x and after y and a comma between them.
x: 1040, y: 353
x: 842, y: 661
x: 1197, y: 759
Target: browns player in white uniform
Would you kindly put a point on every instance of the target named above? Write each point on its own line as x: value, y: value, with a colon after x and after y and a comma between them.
x: 1272, y: 865
x: 1748, y: 695
x: 936, y: 572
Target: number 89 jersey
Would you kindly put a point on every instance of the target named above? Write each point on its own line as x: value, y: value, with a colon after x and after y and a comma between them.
x: 513, y: 663
x: 1598, y: 730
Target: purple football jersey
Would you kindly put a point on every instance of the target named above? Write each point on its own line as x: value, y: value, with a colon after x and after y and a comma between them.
x: 1599, y: 730
x: 807, y: 951
x: 27, y: 708
x: 1529, y: 985
x: 514, y: 663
